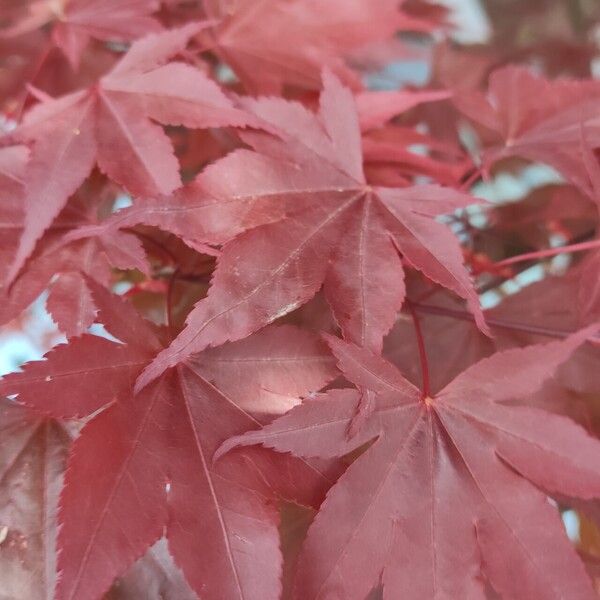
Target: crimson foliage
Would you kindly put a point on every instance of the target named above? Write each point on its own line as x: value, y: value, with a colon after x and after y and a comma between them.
x: 312, y: 349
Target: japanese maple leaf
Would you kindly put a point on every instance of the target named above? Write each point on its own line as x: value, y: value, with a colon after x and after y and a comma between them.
x: 58, y: 263
x: 270, y: 43
x: 545, y: 309
x: 74, y: 259
x: 33, y: 454
x: 111, y: 124
x: 151, y: 460
x: 77, y: 21
x: 338, y: 231
x: 446, y: 482
x: 204, y: 212
x: 201, y: 213
x: 536, y: 119
x: 561, y: 304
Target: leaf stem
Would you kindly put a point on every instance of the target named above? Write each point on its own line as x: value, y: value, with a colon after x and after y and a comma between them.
x: 548, y: 252
x: 527, y: 264
x: 426, y: 386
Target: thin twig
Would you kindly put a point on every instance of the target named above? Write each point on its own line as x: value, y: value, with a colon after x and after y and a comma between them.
x: 548, y: 253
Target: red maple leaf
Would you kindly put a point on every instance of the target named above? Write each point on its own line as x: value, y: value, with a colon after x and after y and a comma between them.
x: 77, y: 21
x: 151, y: 459
x: 547, y: 132
x: 111, y: 124
x: 269, y: 43
x: 58, y: 261
x: 204, y: 212
x: 338, y: 231
x: 32, y: 458
x: 445, y: 482
x: 336, y: 200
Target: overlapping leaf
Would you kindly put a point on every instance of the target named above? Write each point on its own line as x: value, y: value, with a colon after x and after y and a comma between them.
x: 77, y: 21
x: 271, y: 43
x: 445, y: 482
x: 151, y: 460
x: 339, y: 231
x: 111, y: 124
x: 32, y: 459
x: 58, y: 263
x: 548, y: 131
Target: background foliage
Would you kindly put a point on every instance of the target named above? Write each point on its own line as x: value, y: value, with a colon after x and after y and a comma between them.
x: 214, y: 212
